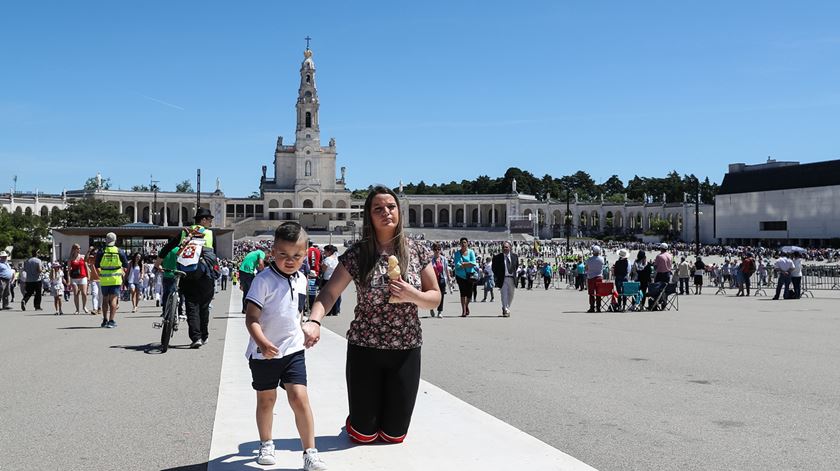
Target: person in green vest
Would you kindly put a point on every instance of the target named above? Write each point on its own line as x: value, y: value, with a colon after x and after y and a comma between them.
x: 112, y: 264
x: 252, y: 264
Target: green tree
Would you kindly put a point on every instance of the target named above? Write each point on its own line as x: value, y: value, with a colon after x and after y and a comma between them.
x: 23, y: 232
x: 184, y: 187
x: 613, y: 186
x: 89, y: 212
x: 90, y: 184
x: 660, y: 227
x: 361, y: 194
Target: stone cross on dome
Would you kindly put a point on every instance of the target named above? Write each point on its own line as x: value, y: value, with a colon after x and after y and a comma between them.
x: 307, y: 38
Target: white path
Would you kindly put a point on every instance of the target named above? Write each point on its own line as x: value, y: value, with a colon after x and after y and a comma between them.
x: 446, y: 433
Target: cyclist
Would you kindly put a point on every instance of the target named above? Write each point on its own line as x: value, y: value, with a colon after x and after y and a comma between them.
x: 198, y: 288
x: 168, y: 260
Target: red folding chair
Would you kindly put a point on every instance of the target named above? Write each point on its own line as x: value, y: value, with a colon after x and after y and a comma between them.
x: 604, y: 293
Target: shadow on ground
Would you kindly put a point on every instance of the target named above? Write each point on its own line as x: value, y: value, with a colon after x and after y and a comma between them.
x: 245, y: 458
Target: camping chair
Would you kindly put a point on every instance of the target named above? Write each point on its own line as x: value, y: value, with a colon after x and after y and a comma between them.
x: 670, y: 298
x: 654, y: 294
x: 604, y: 293
x: 631, y: 289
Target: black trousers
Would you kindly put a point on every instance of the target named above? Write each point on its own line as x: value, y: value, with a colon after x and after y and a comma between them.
x: 33, y: 287
x: 245, y: 280
x: 198, y: 294
x: 664, y: 277
x: 224, y: 283
x: 382, y: 389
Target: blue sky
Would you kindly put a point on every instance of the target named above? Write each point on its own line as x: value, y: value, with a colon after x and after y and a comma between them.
x: 429, y: 90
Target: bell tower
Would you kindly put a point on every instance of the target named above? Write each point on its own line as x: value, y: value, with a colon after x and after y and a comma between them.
x: 308, y: 130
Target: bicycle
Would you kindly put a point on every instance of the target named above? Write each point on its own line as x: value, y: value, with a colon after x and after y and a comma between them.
x: 170, y: 320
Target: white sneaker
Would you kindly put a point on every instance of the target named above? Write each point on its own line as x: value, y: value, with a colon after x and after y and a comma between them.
x: 266, y: 456
x: 311, y: 460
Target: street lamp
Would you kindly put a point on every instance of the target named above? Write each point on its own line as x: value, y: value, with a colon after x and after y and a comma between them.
x: 697, y: 218
x: 154, y: 186
x: 568, y: 221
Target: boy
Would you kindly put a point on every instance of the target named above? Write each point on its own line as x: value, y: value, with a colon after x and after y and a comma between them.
x: 276, y: 351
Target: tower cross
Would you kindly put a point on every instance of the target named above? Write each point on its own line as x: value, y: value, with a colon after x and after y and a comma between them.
x: 307, y: 38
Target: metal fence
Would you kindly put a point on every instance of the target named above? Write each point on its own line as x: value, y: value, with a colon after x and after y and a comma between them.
x: 820, y: 277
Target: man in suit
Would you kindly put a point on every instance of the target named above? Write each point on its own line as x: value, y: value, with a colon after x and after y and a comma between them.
x: 504, y: 270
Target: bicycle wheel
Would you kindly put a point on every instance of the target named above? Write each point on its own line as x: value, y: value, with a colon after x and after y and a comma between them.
x: 170, y: 316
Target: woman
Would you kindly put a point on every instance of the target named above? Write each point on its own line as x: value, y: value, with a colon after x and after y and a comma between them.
x: 93, y: 282
x: 441, y: 267
x: 699, y: 269
x: 384, y: 339
x: 464, y: 266
x: 641, y: 272
x: 621, y: 268
x: 78, y: 277
x: 136, y: 271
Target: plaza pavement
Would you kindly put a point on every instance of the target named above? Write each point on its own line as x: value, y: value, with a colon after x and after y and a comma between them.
x: 446, y: 433
x: 724, y: 383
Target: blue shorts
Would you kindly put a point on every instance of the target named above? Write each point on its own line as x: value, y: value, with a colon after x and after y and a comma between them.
x: 268, y: 374
x: 110, y: 290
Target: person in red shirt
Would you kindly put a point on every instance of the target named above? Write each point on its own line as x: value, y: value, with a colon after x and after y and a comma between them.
x: 313, y: 256
x: 77, y: 277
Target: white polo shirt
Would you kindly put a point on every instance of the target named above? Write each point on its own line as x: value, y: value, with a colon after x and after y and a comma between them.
x: 276, y: 294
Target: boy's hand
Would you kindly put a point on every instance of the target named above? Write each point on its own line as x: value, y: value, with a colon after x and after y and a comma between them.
x: 311, y: 334
x: 269, y: 350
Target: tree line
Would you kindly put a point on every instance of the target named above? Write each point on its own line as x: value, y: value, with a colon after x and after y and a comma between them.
x: 580, y: 183
x: 105, y: 184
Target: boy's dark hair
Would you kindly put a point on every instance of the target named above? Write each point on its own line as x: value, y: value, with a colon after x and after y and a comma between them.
x: 463, y: 239
x: 289, y: 232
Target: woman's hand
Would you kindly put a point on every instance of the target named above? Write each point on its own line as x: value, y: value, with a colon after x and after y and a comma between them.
x: 402, y: 292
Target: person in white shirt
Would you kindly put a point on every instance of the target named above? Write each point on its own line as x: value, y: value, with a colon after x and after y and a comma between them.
x: 276, y: 348
x: 784, y: 266
x: 225, y: 274
x: 796, y: 275
x: 328, y: 264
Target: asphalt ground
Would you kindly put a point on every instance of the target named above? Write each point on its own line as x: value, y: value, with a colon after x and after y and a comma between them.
x: 724, y: 383
x: 74, y: 396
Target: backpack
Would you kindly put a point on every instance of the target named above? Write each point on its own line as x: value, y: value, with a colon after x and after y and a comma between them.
x: 196, y: 260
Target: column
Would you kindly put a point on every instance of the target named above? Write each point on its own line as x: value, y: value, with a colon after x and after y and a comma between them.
x: 136, y: 210
x: 465, y: 215
x: 492, y: 215
x: 120, y: 206
x: 180, y: 212
x: 479, y: 214
x: 152, y: 218
x: 421, y: 215
x: 165, y: 217
x: 451, y: 216
x: 436, y: 215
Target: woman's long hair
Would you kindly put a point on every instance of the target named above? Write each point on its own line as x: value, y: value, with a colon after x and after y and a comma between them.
x: 368, y: 253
